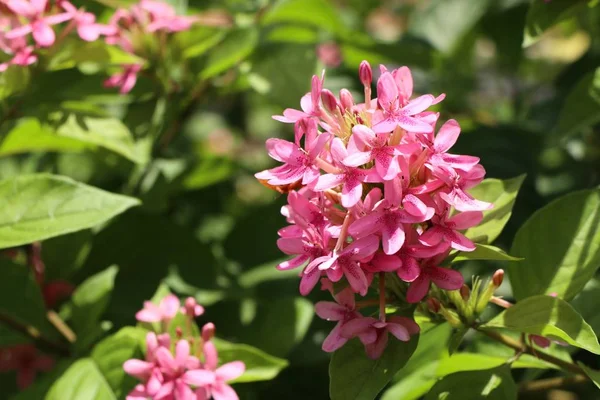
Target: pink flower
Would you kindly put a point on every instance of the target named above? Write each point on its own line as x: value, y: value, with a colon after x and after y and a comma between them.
x: 342, y: 311
x: 346, y: 263
x: 444, y: 140
x: 125, y: 80
x: 373, y: 333
x: 350, y: 178
x: 163, y: 17
x: 26, y: 361
x: 87, y: 28
x: 38, y: 24
x: 444, y: 278
x: 386, y: 157
x: 458, y: 182
x: 164, y: 312
x: 395, y: 113
x: 329, y: 54
x: 299, y: 164
x: 445, y: 229
x: 213, y: 384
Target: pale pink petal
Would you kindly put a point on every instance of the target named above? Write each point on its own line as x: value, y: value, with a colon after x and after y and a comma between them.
x: 210, y: 355
x: 221, y: 391
x: 366, y: 225
x: 356, y: 277
x: 357, y: 159
x: 415, y: 125
x: 293, y: 263
x: 169, y: 306
x: 399, y: 331
x: 57, y: 18
x: 465, y: 220
x: 330, y: 311
x: 418, y: 105
x: 231, y: 370
x: 150, y: 313
x: 165, y: 360
x: 392, y: 238
x: 182, y: 352
x: 459, y: 241
x: 387, y: 92
x: 43, y: 34
x: 88, y: 33
x: 18, y: 32
x: 183, y: 391
x: 138, y: 368
x: 199, y: 377
x: 21, y: 7
x: 351, y: 193
x: 328, y: 181
x: 447, y: 136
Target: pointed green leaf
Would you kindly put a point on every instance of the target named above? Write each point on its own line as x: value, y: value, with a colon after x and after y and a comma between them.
x: 544, y: 14
x: 485, y: 252
x: 496, y: 383
x: 108, y: 133
x: 581, y: 107
x: 29, y: 135
x: 238, y: 45
x: 501, y: 193
x: 89, y: 302
x: 592, y: 374
x: 318, y: 13
x: 560, y: 245
x: 260, y: 366
x: 40, y: 206
x: 354, y: 376
x: 550, y: 317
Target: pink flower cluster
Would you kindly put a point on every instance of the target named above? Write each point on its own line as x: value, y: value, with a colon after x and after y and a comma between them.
x: 379, y: 193
x: 26, y: 360
x: 21, y: 18
x: 191, y: 372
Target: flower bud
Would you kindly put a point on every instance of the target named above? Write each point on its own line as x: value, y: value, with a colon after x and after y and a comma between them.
x: 451, y: 316
x: 329, y: 101
x: 346, y: 99
x: 192, y: 309
x: 465, y: 292
x: 433, y: 304
x: 178, y: 332
x: 208, y: 331
x: 498, y: 278
x: 164, y: 340
x: 365, y: 73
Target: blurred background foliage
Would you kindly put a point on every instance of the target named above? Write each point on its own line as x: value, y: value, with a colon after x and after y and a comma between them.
x: 520, y: 77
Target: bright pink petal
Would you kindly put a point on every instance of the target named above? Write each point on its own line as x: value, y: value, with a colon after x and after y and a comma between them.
x: 447, y: 136
x: 410, y: 270
x: 357, y: 159
x: 43, y: 34
x: 328, y: 181
x: 445, y: 278
x: 150, y: 313
x: 356, y: 277
x: 221, y: 391
x: 309, y: 280
x: 334, y: 340
x: 330, y: 311
x: 138, y: 368
x: 418, y: 105
x: 417, y: 289
x: 386, y: 263
x: 210, y: 355
x: 199, y: 377
x: 399, y: 331
x: 169, y: 306
x: 392, y: 238
x: 465, y: 220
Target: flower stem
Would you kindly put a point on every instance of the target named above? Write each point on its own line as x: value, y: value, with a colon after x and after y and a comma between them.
x: 61, y: 326
x: 524, y: 348
x: 551, y: 383
x: 36, y: 335
x: 382, y: 296
x: 343, y: 233
x: 501, y: 302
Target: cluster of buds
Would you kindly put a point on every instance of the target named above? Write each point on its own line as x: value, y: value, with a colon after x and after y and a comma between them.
x: 182, y: 369
x: 377, y: 193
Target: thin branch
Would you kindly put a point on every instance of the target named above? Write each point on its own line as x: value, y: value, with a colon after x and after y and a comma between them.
x: 36, y: 335
x: 61, y: 326
x: 523, y: 348
x: 551, y: 383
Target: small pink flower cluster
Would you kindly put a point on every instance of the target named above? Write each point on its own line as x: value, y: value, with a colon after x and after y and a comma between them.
x: 379, y: 193
x: 187, y: 374
x: 26, y: 360
x: 19, y: 18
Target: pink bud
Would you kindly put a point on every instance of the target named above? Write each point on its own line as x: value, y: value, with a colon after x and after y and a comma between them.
x: 192, y: 308
x: 465, y: 292
x: 164, y: 340
x: 498, y: 278
x: 179, y: 332
x: 365, y: 73
x: 433, y: 304
x: 208, y: 331
x: 346, y: 99
x: 329, y: 100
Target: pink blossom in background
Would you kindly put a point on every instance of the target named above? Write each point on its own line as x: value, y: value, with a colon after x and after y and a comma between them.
x: 329, y: 54
x: 38, y: 23
x: 181, y: 373
x: 379, y: 192
x: 87, y: 27
x: 124, y: 80
x: 26, y: 361
x: 164, y: 312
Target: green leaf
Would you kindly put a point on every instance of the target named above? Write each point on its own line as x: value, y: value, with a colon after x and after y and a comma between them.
x: 238, y: 45
x: 201, y: 41
x: 456, y: 339
x: 287, y: 319
x: 495, y: 383
x: 40, y: 206
x: 318, y: 13
x: 585, y: 304
x: 415, y: 385
x: 592, y: 374
x: 108, y: 133
x: 485, y: 252
x: 13, y: 81
x: 29, y: 135
x: 581, y: 107
x: 544, y: 14
x: 354, y: 376
x: 444, y: 22
x: 89, y: 302
x: 292, y: 34
x: 560, y: 245
x: 260, y: 366
x: 20, y: 297
x: 101, y: 376
x: 501, y: 193
x: 550, y: 317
